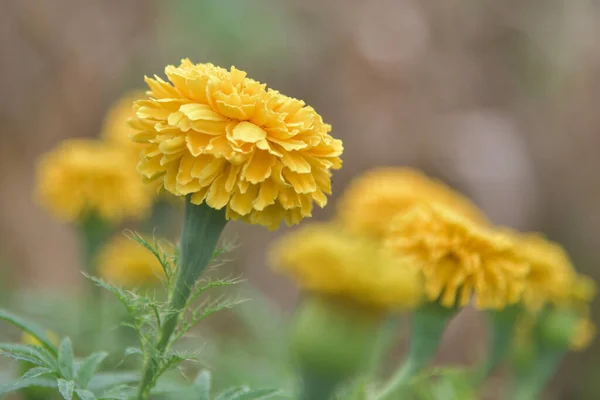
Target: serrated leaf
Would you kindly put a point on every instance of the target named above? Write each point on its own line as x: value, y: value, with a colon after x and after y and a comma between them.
x: 89, y: 366
x: 22, y: 384
x: 130, y: 351
x: 121, y: 392
x: 29, y: 353
x: 85, y: 394
x: 35, y: 372
x: 202, y: 385
x: 66, y: 388
x: 30, y: 327
x: 232, y: 393
x: 104, y: 380
x: 66, y: 358
x: 258, y: 394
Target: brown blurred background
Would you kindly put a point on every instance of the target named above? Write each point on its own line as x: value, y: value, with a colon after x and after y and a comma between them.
x: 498, y: 98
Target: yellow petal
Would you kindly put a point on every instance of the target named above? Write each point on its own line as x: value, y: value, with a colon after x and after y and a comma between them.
x: 248, y: 132
x: 259, y: 167
x: 241, y: 203
x: 302, y: 183
x: 217, y: 196
x: 197, y: 142
x: 296, y: 162
x: 267, y: 195
x: 197, y: 112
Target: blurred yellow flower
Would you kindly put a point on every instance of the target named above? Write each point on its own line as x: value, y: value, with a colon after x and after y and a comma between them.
x: 551, y: 275
x: 583, y: 334
x: 228, y: 141
x: 124, y: 262
x: 87, y: 176
x: 116, y: 129
x: 370, y: 201
x: 458, y: 258
x: 325, y: 260
x: 27, y: 338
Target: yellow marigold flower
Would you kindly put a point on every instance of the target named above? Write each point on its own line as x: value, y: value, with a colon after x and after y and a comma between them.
x: 324, y: 260
x: 227, y: 140
x: 116, y: 129
x: 87, y: 176
x: 27, y: 338
x: 583, y: 334
x: 551, y: 277
x: 458, y: 258
x: 126, y: 263
x: 370, y: 201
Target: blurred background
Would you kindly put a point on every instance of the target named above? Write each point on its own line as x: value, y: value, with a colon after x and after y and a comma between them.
x: 497, y: 98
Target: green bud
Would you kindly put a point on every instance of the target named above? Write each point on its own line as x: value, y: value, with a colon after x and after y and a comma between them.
x: 556, y: 328
x: 333, y: 338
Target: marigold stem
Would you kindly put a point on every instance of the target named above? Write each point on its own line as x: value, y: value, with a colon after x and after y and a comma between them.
x: 202, y: 227
x: 428, y: 325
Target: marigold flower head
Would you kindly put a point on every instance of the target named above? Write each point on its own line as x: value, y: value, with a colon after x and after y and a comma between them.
x: 458, y: 258
x: 87, y: 176
x: 227, y: 140
x: 324, y: 260
x: 125, y: 262
x: 371, y: 200
x: 551, y: 277
x: 116, y: 129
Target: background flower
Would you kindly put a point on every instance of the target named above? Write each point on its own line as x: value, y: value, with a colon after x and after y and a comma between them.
x: 226, y: 140
x: 125, y: 262
x: 323, y: 259
x: 370, y: 201
x: 87, y: 176
x: 458, y: 258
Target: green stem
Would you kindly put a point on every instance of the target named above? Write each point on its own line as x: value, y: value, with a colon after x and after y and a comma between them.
x: 428, y: 325
x: 317, y: 386
x: 501, y: 332
x: 93, y: 232
x: 380, y: 349
x: 202, y: 227
x: 530, y: 383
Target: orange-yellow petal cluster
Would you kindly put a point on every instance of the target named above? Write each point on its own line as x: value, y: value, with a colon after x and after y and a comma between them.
x: 87, y: 176
x: 325, y: 260
x: 227, y: 140
x: 374, y: 198
x: 459, y: 259
x: 124, y: 262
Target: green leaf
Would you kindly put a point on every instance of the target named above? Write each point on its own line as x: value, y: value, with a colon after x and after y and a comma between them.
x: 104, y: 380
x: 29, y: 353
x: 85, y: 394
x: 202, y: 385
x: 232, y: 393
x: 89, y: 366
x: 66, y: 359
x: 35, y: 372
x: 30, y: 327
x: 130, y: 351
x: 22, y: 384
x: 258, y: 394
x: 121, y: 392
x: 66, y: 388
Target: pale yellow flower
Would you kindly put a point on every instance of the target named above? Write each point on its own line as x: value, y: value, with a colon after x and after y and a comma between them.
x: 124, y: 262
x: 227, y: 140
x: 458, y: 258
x: 116, y: 128
x: 325, y: 260
x: 551, y: 275
x: 83, y: 177
x: 583, y: 334
x: 371, y: 201
x: 27, y: 338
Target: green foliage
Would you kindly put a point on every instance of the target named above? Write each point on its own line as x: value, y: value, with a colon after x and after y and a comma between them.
x: 58, y: 368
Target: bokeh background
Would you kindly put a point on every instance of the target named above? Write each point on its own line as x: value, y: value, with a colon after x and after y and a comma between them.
x: 500, y: 99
